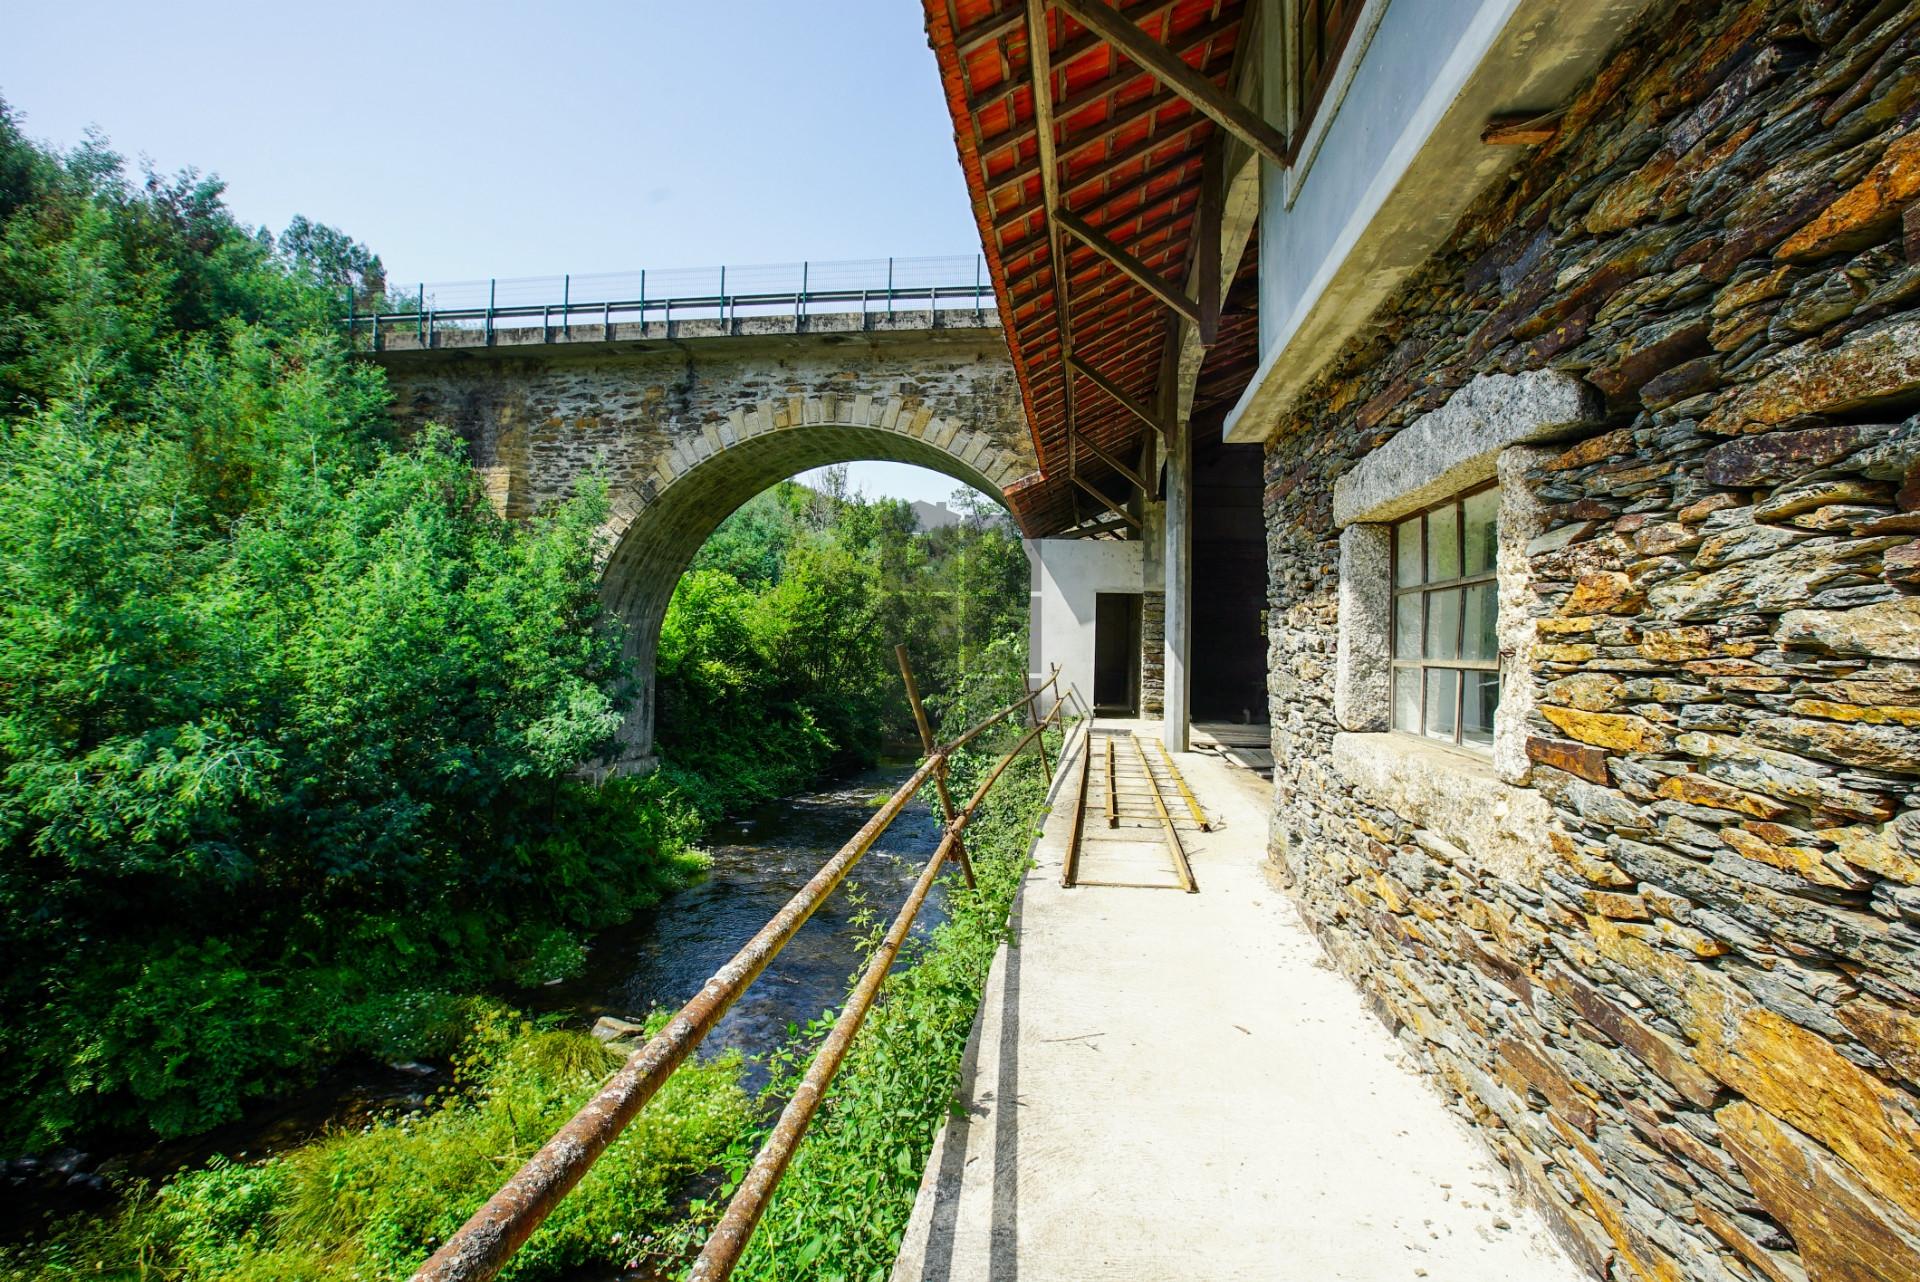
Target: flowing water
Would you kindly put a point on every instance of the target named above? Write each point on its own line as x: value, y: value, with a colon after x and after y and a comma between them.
x: 662, y: 957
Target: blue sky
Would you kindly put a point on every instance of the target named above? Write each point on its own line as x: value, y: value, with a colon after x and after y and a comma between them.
x: 490, y: 139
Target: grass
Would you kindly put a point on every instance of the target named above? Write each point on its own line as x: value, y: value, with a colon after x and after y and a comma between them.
x: 841, y: 1211
x: 370, y: 1204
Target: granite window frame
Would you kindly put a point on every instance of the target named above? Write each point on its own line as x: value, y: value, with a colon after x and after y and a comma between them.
x: 1484, y: 433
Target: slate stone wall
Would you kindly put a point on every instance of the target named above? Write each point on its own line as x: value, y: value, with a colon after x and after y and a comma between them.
x: 1693, y: 1032
x: 1153, y: 654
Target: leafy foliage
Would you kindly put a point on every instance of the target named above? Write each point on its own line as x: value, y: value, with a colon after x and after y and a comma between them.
x: 841, y: 1211
x: 776, y: 658
x: 373, y: 1203
x: 288, y: 715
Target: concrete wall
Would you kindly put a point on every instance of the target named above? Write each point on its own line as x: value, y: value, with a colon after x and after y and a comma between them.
x: 1067, y: 575
x: 1393, y: 157
x: 1671, y: 968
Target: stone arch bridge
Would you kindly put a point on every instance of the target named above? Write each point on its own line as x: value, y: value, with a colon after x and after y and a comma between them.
x: 690, y: 419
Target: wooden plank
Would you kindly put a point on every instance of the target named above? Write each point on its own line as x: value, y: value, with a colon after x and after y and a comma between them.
x: 1118, y: 393
x: 1227, y: 111
x: 1101, y: 244
x: 1521, y: 131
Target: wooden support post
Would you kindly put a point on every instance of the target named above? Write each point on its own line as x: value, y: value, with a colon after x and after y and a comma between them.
x: 940, y: 770
x: 1206, y: 247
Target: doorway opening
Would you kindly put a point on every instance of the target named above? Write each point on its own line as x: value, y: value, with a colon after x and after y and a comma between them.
x: 1116, y: 653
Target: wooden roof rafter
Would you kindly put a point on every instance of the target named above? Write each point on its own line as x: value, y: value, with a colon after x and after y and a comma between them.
x: 1088, y: 131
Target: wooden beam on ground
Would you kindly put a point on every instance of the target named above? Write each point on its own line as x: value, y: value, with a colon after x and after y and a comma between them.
x: 1118, y: 393
x: 1102, y: 244
x: 1139, y: 483
x: 1118, y: 510
x: 1227, y: 111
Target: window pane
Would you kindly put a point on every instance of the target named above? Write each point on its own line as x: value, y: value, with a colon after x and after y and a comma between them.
x: 1443, y: 624
x: 1481, y: 511
x: 1443, y: 543
x: 1442, y: 688
x: 1407, y: 553
x: 1482, y: 696
x: 1406, y: 626
x: 1481, y: 642
x: 1406, y: 699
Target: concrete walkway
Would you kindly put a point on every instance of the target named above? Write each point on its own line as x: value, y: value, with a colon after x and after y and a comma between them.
x: 1166, y: 1086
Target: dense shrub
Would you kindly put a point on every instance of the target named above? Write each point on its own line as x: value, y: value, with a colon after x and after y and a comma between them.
x: 287, y: 713
x: 776, y: 659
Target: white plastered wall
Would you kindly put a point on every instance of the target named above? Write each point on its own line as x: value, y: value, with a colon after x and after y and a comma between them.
x: 1067, y: 575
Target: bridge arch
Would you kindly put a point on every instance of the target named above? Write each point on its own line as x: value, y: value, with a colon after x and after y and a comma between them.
x: 658, y: 526
x: 690, y: 419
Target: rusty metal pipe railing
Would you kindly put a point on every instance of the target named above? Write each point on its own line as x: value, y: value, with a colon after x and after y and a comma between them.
x: 730, y: 1237
x: 481, y: 1247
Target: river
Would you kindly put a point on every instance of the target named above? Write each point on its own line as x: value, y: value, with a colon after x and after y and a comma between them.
x: 760, y: 858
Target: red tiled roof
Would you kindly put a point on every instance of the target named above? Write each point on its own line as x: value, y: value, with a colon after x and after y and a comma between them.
x: 1130, y: 158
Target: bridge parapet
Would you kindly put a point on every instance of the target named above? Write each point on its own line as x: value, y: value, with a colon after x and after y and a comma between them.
x: 401, y: 335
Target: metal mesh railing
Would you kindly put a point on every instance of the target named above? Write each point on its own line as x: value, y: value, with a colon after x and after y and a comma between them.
x: 865, y: 285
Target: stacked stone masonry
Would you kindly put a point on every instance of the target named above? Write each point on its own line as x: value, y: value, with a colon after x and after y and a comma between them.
x: 1153, y: 654
x: 1690, y: 1024
x: 685, y: 429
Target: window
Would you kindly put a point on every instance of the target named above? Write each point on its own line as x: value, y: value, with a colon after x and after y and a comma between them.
x: 1446, y: 648
x: 1322, y: 28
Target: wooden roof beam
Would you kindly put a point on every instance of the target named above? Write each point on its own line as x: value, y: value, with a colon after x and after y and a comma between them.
x: 1040, y: 67
x: 1118, y: 510
x: 1134, y: 478
x: 1098, y: 241
x: 1227, y: 111
x: 1120, y: 397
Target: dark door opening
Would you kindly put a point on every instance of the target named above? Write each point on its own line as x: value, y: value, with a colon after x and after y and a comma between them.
x: 1116, y: 653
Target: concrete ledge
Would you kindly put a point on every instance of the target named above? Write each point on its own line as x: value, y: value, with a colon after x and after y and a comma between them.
x: 1521, y: 56
x: 1459, y: 444
x: 1454, y: 795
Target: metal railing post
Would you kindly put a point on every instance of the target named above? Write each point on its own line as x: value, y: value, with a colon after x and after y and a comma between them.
x: 492, y: 285
x: 420, y: 315
x: 800, y: 300
x: 643, y: 302
x: 566, y: 301
x: 723, y: 293
x: 889, y: 285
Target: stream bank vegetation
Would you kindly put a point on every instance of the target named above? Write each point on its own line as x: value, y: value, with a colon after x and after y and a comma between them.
x: 289, y: 721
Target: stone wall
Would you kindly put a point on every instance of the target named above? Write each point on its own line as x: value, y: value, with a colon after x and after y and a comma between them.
x: 685, y: 429
x: 1689, y: 1021
x: 1153, y: 654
